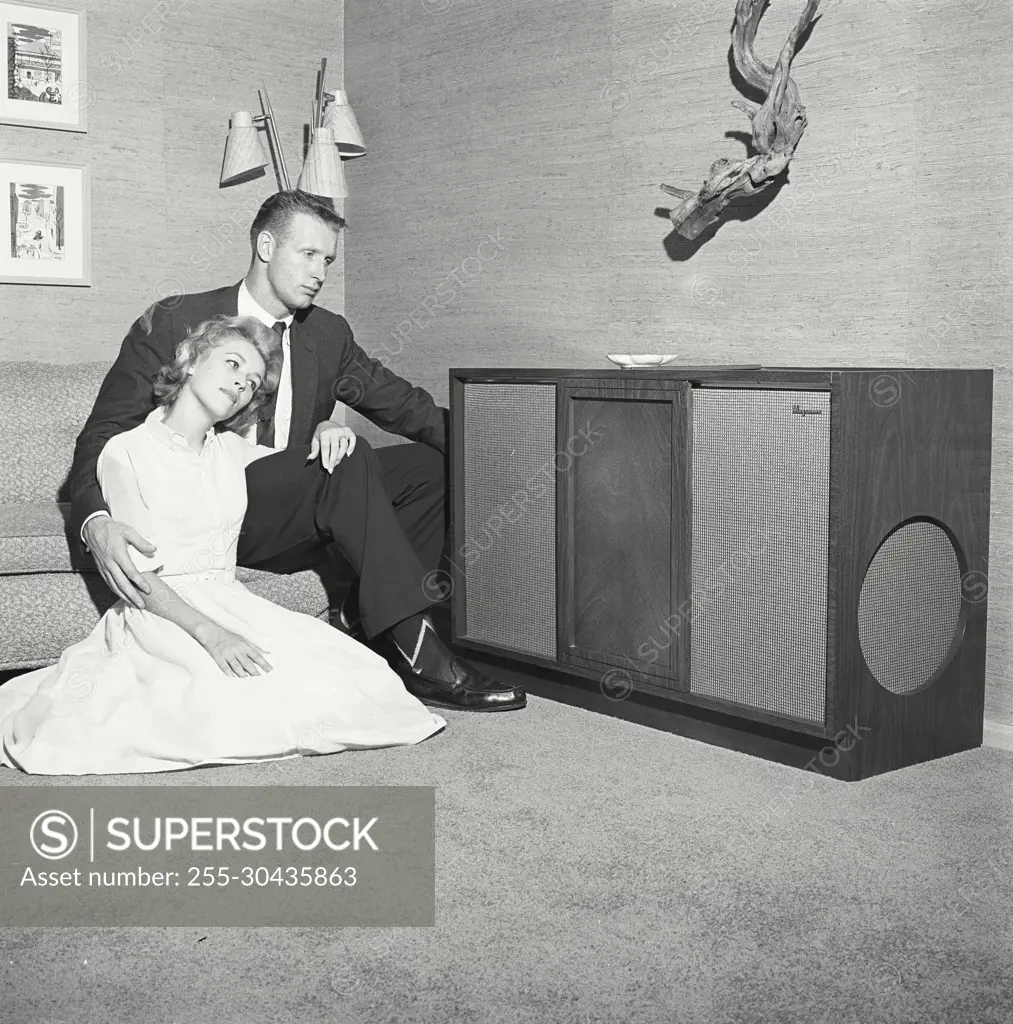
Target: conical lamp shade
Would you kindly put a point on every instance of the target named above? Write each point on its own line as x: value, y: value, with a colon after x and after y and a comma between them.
x: 321, y: 173
x: 244, y: 155
x: 340, y: 119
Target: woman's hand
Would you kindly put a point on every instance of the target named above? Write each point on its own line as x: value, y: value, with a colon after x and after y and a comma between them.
x: 332, y: 442
x: 233, y: 654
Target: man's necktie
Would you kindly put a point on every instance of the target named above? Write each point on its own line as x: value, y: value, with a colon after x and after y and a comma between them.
x: 265, y: 425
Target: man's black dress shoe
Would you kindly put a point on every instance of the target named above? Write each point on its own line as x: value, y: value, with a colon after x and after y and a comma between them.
x: 467, y: 690
x: 443, y: 680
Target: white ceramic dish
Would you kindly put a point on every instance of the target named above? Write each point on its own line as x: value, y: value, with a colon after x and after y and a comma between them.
x: 632, y: 362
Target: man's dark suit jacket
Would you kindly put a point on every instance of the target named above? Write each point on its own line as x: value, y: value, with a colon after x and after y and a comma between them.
x: 327, y: 365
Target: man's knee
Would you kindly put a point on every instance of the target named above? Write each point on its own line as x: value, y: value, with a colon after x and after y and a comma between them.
x: 360, y: 465
x: 362, y: 452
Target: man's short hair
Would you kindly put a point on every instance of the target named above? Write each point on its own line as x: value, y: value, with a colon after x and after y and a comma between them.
x: 277, y: 211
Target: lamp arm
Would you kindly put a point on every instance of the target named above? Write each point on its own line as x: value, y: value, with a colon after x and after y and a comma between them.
x: 319, y: 108
x: 272, y: 134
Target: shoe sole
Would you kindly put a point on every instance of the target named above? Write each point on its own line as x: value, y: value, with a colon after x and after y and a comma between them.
x: 432, y: 702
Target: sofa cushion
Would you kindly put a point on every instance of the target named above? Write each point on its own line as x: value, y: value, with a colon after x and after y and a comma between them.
x: 33, y: 537
x: 43, y: 410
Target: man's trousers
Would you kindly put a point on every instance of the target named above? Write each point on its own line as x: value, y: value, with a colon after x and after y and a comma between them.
x: 383, y: 509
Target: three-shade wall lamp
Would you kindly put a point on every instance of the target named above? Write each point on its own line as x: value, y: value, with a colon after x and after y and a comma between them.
x: 334, y: 133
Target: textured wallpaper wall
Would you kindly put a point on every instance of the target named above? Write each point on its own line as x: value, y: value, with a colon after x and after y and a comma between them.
x: 507, y: 211
x: 163, y: 79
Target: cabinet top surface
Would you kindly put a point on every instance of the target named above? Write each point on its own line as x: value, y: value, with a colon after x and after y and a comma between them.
x: 744, y: 373
x: 680, y: 371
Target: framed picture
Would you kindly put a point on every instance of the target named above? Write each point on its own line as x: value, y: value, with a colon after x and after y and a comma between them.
x: 45, y: 223
x: 44, y: 68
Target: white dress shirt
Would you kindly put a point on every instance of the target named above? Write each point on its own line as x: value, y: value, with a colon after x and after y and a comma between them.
x: 248, y: 306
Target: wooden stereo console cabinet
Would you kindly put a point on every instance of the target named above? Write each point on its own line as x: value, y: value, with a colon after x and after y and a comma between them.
x: 789, y: 562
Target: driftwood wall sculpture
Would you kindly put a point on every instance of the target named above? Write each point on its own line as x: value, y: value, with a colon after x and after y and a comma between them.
x: 777, y: 125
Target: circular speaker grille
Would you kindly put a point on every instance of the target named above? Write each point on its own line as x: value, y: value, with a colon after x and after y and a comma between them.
x: 909, y: 608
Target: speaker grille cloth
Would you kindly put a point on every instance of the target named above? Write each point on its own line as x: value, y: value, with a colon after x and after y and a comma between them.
x: 510, y: 516
x: 909, y: 608
x: 758, y: 609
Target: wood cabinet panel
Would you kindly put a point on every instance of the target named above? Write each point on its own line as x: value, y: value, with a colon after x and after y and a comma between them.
x: 623, y: 560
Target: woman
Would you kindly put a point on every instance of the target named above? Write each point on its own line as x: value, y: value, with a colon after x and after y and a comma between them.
x: 207, y: 672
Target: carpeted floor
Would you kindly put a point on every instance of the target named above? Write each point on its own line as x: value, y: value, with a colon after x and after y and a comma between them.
x: 593, y: 870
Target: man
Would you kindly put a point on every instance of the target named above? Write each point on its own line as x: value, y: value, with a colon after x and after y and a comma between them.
x: 383, y: 510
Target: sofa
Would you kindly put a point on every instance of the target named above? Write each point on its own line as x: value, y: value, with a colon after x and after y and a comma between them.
x: 50, y: 595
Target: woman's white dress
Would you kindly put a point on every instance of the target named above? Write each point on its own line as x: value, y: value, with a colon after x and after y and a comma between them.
x: 139, y: 694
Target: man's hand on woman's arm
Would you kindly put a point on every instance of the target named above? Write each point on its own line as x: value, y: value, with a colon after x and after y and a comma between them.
x: 107, y: 540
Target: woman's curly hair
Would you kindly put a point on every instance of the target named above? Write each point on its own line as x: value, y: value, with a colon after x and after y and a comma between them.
x: 209, y: 335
